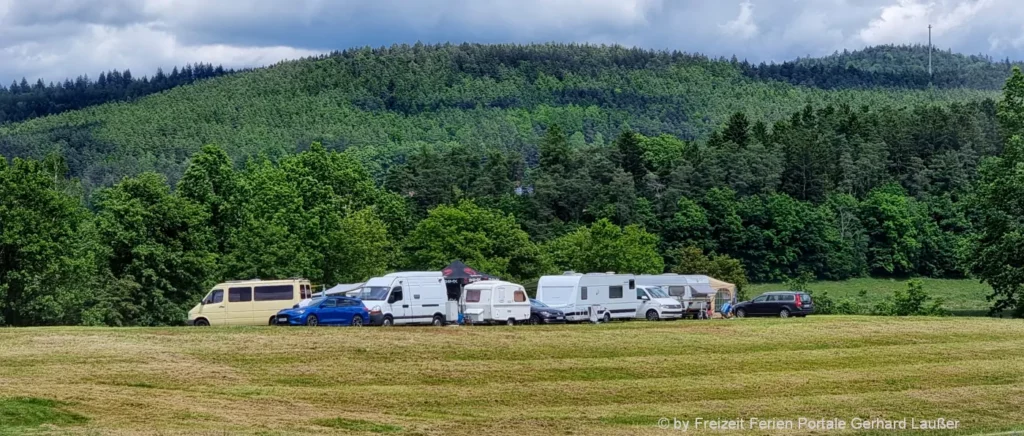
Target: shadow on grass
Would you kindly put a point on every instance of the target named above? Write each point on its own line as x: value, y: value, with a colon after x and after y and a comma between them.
x: 22, y: 413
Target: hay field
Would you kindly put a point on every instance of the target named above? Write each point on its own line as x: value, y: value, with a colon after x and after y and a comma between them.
x: 619, y: 378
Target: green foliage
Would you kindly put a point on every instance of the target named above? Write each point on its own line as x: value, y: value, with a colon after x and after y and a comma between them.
x: 489, y: 240
x: 603, y: 246
x: 1011, y: 107
x: 912, y: 302
x: 691, y: 260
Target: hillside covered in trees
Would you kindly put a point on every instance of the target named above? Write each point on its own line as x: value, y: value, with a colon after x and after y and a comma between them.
x: 520, y: 161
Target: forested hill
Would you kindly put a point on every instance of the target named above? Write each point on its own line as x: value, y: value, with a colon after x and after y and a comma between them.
x: 380, y: 103
x: 889, y: 66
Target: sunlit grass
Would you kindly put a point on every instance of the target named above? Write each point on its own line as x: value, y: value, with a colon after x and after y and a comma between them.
x: 575, y: 379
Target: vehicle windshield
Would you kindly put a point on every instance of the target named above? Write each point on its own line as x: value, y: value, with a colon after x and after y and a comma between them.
x: 373, y: 293
x: 657, y: 293
x: 537, y: 303
x: 316, y: 301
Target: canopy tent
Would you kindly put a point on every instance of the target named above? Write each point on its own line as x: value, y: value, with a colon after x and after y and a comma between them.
x: 458, y: 274
x: 342, y: 289
x: 717, y: 291
x: 724, y: 291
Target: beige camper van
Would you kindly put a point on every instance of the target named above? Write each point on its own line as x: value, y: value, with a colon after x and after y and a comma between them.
x: 248, y: 302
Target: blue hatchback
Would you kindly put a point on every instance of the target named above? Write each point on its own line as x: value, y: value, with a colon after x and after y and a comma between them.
x: 326, y: 311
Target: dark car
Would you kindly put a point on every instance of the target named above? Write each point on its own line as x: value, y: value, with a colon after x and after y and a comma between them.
x: 540, y: 313
x: 783, y: 304
x: 326, y: 311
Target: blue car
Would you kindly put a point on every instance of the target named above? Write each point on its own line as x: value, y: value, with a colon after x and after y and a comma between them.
x: 326, y: 311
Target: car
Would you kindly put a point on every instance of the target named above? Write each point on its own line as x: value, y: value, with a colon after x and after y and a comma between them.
x: 331, y: 310
x: 783, y: 304
x: 541, y: 313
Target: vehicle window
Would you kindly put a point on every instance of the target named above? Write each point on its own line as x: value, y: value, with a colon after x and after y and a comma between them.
x: 640, y: 294
x: 377, y: 293
x: 537, y: 303
x: 583, y: 293
x: 238, y: 295
x: 615, y: 292
x: 274, y: 293
x: 772, y: 298
x: 657, y: 293
x: 304, y: 292
x: 472, y: 295
x: 806, y: 298
x: 787, y: 297
x: 632, y: 284
x: 677, y: 291
x: 396, y: 293
x: 348, y: 303
x: 330, y: 303
x: 519, y: 297
x: 217, y: 296
x: 761, y: 299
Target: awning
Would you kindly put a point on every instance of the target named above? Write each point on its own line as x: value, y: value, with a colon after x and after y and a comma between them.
x: 459, y: 273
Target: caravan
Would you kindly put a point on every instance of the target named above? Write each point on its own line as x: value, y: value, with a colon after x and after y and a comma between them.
x: 590, y: 297
x: 693, y: 292
x: 495, y: 302
x: 408, y: 298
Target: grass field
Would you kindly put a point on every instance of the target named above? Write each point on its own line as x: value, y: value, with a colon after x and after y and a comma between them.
x: 619, y: 378
x: 963, y: 297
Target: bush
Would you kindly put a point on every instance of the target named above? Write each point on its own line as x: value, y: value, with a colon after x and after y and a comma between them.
x: 912, y: 302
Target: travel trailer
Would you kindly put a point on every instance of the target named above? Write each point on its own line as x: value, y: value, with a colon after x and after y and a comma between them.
x: 495, y: 302
x: 408, y: 298
x: 590, y: 297
x: 248, y: 302
x: 693, y: 292
x: 655, y: 304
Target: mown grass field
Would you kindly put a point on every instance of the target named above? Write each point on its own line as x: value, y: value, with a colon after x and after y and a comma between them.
x: 619, y: 378
x: 963, y: 297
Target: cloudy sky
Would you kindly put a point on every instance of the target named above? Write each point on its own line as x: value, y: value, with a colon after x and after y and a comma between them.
x: 54, y: 39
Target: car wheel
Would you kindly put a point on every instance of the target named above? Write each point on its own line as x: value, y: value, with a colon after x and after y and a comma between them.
x: 607, y: 317
x: 202, y: 322
x: 312, y: 321
x: 534, y: 320
x: 388, y: 321
x: 357, y: 321
x: 438, y: 321
x: 511, y: 321
x: 740, y: 313
x: 784, y: 313
x: 652, y: 315
x: 273, y: 320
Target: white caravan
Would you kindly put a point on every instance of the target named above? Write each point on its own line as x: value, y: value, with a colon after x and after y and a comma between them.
x: 495, y: 302
x: 408, y: 298
x: 655, y: 304
x: 589, y: 297
x: 693, y: 292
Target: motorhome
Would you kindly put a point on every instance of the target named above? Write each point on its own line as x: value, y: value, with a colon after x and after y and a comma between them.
x: 693, y: 292
x: 655, y: 304
x: 495, y: 302
x: 248, y: 302
x: 417, y: 297
x: 590, y: 297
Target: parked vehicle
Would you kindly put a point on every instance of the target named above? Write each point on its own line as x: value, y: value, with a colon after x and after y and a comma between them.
x: 593, y: 296
x: 408, y: 298
x: 783, y: 304
x: 248, y: 302
x: 693, y: 292
x: 541, y: 313
x: 326, y: 311
x: 655, y: 304
x: 495, y: 302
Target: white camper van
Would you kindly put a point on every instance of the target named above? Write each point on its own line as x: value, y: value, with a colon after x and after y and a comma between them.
x: 408, y: 298
x: 693, y: 292
x: 495, y: 302
x: 590, y: 297
x: 655, y: 304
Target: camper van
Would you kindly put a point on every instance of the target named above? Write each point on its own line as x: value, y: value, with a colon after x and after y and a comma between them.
x: 693, y: 292
x: 495, y: 302
x: 590, y: 297
x: 655, y: 304
x: 408, y: 298
x: 248, y: 302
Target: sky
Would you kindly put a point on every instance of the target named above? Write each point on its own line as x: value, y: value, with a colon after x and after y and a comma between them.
x: 57, y: 39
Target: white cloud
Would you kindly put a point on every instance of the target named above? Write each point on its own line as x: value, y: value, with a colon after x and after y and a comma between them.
x: 743, y: 26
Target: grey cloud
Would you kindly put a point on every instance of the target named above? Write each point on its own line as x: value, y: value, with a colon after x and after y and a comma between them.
x: 59, y: 38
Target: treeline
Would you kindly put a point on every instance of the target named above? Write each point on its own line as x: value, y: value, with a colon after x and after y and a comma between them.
x: 386, y: 103
x: 834, y: 192
x: 887, y: 66
x: 23, y: 101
